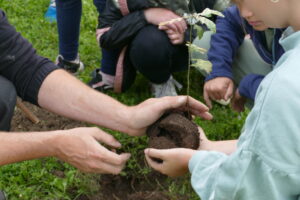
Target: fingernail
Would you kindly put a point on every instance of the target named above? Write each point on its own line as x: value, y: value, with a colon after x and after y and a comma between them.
x: 146, y: 151
x: 127, y: 155
x: 181, y: 99
x: 117, y: 144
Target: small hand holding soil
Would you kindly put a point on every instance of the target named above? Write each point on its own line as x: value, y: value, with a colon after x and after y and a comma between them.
x: 174, y: 130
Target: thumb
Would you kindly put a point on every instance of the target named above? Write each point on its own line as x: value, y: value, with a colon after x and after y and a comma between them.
x: 154, y: 153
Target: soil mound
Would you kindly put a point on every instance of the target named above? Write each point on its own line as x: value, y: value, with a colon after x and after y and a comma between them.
x: 174, y: 130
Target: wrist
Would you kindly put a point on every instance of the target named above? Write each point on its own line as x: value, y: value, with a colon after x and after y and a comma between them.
x: 54, y: 141
x: 126, y: 116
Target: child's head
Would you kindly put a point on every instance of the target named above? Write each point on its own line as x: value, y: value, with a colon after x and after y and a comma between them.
x: 271, y: 13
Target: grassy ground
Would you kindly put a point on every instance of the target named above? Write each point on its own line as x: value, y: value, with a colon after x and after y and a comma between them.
x: 31, y: 179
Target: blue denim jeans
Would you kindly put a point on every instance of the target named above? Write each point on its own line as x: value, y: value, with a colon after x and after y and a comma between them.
x: 68, y: 23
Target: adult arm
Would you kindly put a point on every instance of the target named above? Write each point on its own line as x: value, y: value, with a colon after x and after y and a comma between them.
x: 78, y: 147
x: 65, y: 95
x: 19, y: 62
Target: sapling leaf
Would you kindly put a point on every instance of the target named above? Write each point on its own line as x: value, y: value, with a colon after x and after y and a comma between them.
x: 208, y: 13
x: 202, y: 65
x: 199, y: 30
x: 210, y: 24
x: 195, y: 48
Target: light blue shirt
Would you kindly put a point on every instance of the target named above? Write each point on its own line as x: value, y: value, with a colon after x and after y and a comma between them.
x: 266, y: 165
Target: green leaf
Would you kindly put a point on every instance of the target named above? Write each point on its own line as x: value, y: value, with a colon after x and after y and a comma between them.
x: 202, y: 65
x: 199, y: 30
x: 210, y: 24
x: 208, y: 13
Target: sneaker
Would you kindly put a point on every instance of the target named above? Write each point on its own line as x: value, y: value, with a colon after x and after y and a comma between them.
x: 73, y: 66
x: 166, y: 89
x: 2, y: 195
x: 101, y: 81
x: 50, y: 15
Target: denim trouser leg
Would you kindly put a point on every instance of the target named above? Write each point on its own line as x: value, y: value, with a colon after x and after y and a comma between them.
x: 68, y: 24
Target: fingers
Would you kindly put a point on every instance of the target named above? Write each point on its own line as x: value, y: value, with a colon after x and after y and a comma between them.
x: 229, y: 91
x: 99, y: 166
x: 153, y: 153
x: 184, y: 103
x: 207, y: 99
x: 175, y: 37
x: 103, y: 137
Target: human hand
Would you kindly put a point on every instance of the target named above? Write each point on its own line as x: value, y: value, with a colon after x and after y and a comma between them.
x: 174, y: 161
x: 175, y: 37
x: 217, y: 89
x: 157, y: 16
x: 238, y: 102
x: 80, y: 148
x: 146, y: 113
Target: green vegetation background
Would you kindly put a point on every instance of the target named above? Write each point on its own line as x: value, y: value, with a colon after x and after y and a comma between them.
x: 35, y: 179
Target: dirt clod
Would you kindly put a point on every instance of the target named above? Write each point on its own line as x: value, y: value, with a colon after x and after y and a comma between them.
x: 174, y: 130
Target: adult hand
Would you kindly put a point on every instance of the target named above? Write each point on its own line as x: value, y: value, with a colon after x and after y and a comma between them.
x: 146, y: 113
x: 175, y: 37
x: 217, y: 89
x: 238, y: 102
x: 80, y: 148
x: 157, y: 16
x: 174, y: 161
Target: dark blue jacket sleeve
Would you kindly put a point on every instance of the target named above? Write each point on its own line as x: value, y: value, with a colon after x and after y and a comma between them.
x: 20, y: 64
x: 225, y: 42
x: 249, y: 84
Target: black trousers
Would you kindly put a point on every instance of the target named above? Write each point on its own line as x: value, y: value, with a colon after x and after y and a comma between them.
x: 8, y: 98
x: 154, y: 56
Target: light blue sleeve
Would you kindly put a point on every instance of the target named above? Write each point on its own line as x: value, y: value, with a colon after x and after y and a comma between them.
x: 242, y: 176
x: 266, y: 165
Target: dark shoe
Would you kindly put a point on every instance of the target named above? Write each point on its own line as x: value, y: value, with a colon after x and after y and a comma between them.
x: 2, y: 195
x: 125, y: 73
x: 98, y: 83
x: 73, y: 66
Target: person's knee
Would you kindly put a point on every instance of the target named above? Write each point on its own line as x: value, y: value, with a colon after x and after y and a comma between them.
x: 150, y: 42
x: 8, y: 96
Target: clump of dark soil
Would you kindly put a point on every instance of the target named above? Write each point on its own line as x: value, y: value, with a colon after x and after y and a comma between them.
x: 174, y: 129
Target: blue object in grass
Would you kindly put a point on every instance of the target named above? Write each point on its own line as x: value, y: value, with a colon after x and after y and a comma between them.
x: 50, y: 15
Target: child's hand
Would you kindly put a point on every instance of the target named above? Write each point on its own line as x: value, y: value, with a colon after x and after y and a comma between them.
x: 217, y: 89
x: 238, y: 102
x: 156, y: 16
x: 174, y: 36
x: 174, y: 161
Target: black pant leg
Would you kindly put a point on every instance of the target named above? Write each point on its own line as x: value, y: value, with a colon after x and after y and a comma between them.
x: 8, y: 98
x: 154, y: 56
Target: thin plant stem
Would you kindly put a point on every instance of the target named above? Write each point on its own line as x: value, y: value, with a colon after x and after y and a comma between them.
x: 189, y: 69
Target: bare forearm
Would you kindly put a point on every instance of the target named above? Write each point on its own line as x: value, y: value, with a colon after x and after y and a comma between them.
x: 226, y: 146
x: 17, y: 147
x: 63, y: 94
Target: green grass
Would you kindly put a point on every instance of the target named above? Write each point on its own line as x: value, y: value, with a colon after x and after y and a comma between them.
x: 36, y: 179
